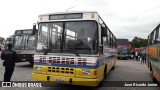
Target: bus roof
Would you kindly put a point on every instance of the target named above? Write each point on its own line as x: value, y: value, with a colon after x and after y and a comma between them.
x: 122, y: 41
x: 68, y: 12
x: 154, y: 29
x: 69, y: 16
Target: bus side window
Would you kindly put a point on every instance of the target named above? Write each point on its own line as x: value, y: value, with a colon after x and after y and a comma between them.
x: 157, y: 36
x: 152, y: 38
x: 105, y: 41
x: 31, y: 41
x: 104, y: 36
x: 111, y: 40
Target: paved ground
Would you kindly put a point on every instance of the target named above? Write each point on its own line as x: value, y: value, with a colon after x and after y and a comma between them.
x: 125, y: 70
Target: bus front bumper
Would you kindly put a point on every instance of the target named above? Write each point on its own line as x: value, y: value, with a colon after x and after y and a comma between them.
x: 66, y: 80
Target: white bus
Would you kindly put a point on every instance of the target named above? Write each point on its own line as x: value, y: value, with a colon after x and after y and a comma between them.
x: 24, y: 43
x: 74, y: 48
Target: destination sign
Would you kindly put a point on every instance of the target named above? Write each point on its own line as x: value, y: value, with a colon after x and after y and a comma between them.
x: 66, y: 16
x: 23, y: 32
x: 27, y: 32
x: 18, y: 32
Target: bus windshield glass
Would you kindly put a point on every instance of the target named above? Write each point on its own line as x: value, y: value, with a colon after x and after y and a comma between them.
x: 123, y: 50
x: 69, y: 37
x: 25, y: 42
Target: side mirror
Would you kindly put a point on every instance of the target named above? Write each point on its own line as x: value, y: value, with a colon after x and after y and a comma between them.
x: 104, y: 32
x: 34, y: 29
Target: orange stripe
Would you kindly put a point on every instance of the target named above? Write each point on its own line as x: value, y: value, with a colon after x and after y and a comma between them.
x: 153, y: 51
x: 157, y: 76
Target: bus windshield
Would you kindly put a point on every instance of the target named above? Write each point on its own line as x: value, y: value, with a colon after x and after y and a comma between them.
x: 123, y: 50
x: 25, y: 42
x: 69, y: 37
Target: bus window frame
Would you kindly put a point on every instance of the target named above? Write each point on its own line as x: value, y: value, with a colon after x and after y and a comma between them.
x: 157, y: 36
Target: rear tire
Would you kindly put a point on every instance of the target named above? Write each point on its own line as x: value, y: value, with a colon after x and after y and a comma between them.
x: 113, y: 67
x: 105, y: 72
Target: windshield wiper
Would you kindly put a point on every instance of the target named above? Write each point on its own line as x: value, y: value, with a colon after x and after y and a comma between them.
x: 46, y: 51
x: 75, y: 52
x: 82, y: 48
x: 71, y: 47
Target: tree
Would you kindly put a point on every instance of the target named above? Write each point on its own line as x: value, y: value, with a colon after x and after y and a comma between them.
x: 139, y: 42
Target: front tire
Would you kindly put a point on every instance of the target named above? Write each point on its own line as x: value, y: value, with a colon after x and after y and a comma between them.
x: 153, y: 78
x: 150, y: 67
x: 31, y: 62
x: 104, y: 77
x: 125, y: 58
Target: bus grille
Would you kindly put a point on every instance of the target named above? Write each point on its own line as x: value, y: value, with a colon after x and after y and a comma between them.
x: 65, y: 70
x: 65, y: 60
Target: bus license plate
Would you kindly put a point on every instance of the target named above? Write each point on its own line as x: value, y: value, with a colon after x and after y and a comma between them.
x: 59, y: 79
x: 23, y: 59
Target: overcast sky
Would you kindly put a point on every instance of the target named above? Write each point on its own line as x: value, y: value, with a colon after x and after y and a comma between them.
x: 125, y: 18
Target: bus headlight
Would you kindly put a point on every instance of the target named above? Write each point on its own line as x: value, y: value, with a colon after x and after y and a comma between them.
x: 38, y: 68
x: 86, y: 72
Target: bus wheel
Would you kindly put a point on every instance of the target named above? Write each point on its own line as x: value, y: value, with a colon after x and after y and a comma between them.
x: 104, y: 77
x: 31, y: 62
x: 100, y: 84
x: 153, y: 78
x: 150, y: 67
x: 105, y: 72
x: 113, y: 67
